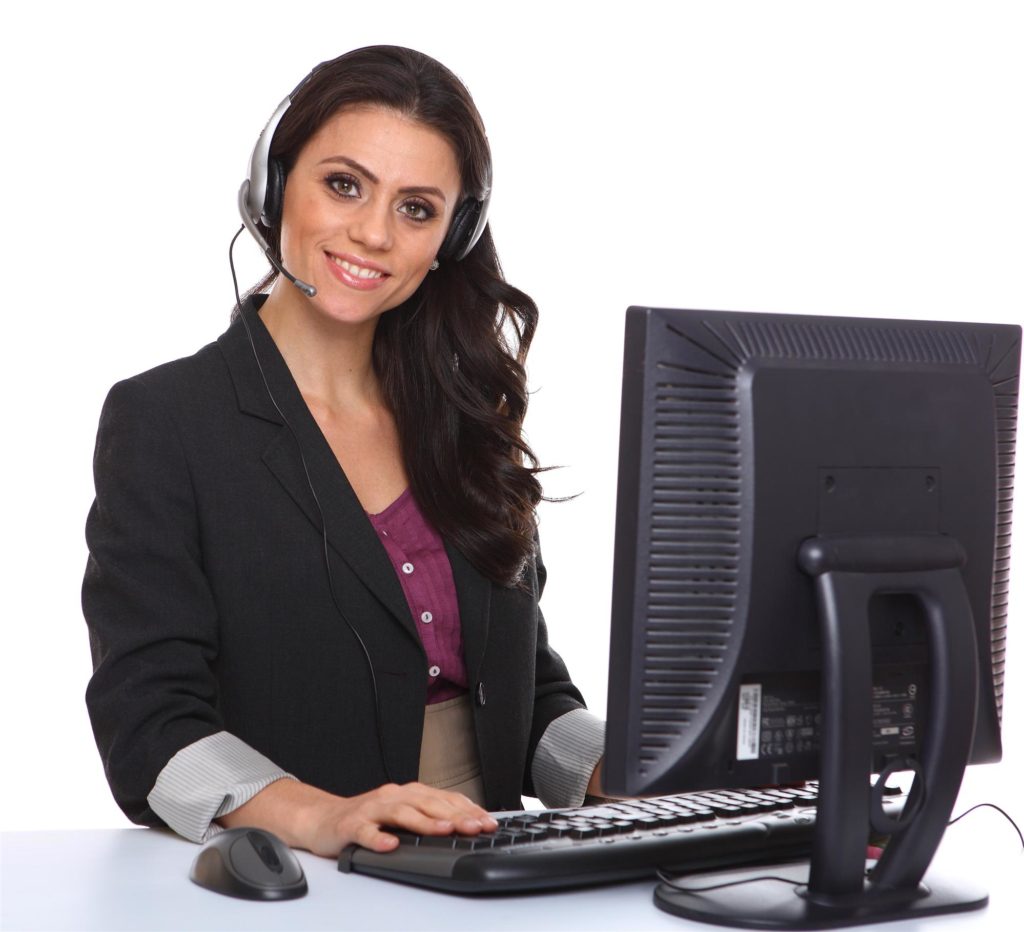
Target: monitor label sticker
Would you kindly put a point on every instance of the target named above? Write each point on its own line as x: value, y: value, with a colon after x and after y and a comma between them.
x: 748, y: 726
x: 896, y: 709
x: 779, y: 717
x: 789, y: 720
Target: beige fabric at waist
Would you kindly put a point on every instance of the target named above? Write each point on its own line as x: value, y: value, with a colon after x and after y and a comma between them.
x: 448, y: 754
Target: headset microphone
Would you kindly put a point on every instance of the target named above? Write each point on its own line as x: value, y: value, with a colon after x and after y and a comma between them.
x: 243, y: 197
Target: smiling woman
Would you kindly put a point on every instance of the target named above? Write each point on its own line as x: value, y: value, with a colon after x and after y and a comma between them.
x: 367, y: 202
x: 313, y: 578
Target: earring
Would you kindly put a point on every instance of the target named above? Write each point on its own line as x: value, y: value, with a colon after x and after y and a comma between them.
x: 435, y: 265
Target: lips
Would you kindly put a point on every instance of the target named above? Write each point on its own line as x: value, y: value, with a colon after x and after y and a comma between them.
x: 358, y: 274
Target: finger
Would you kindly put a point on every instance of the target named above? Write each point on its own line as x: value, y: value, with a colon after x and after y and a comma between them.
x: 369, y: 835
x: 425, y: 810
x: 471, y: 818
x: 486, y: 820
x: 474, y: 810
x: 444, y: 804
x: 407, y: 816
x: 473, y: 826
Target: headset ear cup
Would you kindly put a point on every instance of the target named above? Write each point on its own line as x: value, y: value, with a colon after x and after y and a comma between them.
x: 462, y: 227
x: 273, y: 203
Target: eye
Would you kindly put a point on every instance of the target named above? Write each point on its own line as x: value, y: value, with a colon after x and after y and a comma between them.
x: 417, y: 210
x: 343, y: 185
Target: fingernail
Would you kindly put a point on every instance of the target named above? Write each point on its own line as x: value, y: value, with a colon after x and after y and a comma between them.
x: 445, y: 824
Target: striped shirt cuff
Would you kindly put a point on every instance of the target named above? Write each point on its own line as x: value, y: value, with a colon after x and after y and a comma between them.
x: 566, y: 756
x: 209, y: 778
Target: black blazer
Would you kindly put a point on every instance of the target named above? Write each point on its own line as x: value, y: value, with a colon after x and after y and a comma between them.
x: 209, y: 607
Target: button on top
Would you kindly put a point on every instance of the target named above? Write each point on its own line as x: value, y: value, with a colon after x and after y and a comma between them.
x: 426, y: 618
x: 407, y: 568
x: 434, y: 670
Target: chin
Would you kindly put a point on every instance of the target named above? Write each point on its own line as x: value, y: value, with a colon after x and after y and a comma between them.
x: 344, y: 309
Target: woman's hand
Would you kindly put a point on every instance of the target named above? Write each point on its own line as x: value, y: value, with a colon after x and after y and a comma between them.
x: 595, y: 788
x: 306, y: 817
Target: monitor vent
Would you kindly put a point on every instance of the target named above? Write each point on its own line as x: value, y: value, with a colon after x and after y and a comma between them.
x: 1002, y: 370
x: 692, y: 562
x: 774, y: 340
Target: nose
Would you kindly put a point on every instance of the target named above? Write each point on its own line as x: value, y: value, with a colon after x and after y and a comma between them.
x: 371, y: 225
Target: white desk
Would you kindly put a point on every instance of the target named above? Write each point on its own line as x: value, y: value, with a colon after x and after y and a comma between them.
x: 137, y: 879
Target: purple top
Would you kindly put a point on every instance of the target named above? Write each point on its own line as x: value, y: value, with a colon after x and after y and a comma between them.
x: 417, y: 553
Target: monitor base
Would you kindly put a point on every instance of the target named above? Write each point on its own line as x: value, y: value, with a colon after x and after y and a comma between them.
x: 754, y: 903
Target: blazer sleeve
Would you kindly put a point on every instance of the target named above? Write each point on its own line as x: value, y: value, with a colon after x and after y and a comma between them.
x: 151, y: 615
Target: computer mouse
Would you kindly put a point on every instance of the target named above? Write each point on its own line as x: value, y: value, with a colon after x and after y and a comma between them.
x: 249, y: 863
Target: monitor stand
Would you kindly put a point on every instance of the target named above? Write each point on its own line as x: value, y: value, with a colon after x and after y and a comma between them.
x: 838, y: 891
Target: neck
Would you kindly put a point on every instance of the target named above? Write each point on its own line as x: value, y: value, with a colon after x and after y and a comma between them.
x: 330, y: 360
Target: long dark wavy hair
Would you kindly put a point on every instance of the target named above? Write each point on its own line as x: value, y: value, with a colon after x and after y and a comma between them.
x: 451, y: 358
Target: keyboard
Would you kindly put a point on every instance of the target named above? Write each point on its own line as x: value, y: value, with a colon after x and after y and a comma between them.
x: 605, y: 843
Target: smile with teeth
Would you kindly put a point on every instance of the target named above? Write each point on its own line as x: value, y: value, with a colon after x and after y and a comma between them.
x: 356, y: 271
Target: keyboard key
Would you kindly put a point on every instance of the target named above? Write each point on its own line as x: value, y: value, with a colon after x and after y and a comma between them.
x: 437, y: 841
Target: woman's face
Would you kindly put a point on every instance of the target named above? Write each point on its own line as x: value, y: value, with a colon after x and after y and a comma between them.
x: 366, y: 207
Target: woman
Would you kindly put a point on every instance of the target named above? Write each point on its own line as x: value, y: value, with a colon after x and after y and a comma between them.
x: 322, y: 525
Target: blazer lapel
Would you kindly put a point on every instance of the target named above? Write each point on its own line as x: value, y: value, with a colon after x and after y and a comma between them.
x: 349, y: 532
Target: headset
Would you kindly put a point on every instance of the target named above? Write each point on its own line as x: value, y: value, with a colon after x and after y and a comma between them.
x: 261, y: 198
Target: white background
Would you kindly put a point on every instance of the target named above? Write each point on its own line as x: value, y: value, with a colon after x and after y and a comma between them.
x: 857, y: 158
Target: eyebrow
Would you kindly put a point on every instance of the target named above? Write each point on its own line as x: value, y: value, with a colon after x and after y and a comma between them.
x: 363, y: 170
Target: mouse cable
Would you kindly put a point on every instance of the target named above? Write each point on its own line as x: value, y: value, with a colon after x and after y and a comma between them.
x: 320, y: 511
x: 1002, y: 812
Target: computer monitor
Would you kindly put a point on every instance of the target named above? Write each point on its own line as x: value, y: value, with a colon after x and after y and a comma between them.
x: 810, y: 581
